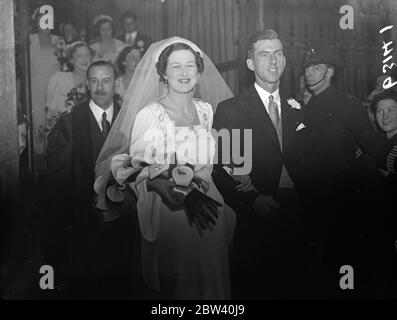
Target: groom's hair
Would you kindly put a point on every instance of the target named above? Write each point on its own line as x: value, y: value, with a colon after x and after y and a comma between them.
x: 161, y: 64
x: 267, y: 34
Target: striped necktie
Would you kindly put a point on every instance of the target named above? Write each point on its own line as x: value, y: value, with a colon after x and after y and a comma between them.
x: 273, y: 112
x: 105, y: 125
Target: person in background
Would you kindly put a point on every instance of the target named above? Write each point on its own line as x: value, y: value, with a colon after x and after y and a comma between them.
x: 68, y: 32
x: 72, y: 228
x: 336, y: 125
x: 83, y: 36
x: 384, y: 105
x: 91, y: 122
x: 378, y: 85
x: 126, y: 63
x: 62, y: 86
x: 22, y: 132
x: 24, y: 175
x: 106, y: 47
x: 131, y: 34
x: 377, y: 88
x: 43, y: 64
x: 65, y: 91
x: 379, y: 233
x: 304, y: 94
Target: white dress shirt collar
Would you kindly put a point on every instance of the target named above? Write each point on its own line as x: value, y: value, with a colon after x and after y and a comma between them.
x: 264, y: 95
x: 131, y: 35
x: 97, y: 111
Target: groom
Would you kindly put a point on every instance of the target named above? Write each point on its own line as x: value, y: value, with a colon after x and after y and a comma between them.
x: 268, y: 246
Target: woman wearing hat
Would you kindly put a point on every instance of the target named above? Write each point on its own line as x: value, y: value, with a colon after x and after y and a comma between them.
x: 59, y: 91
x: 107, y: 47
x: 68, y: 32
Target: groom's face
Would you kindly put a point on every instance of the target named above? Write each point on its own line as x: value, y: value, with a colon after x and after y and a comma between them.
x: 267, y: 62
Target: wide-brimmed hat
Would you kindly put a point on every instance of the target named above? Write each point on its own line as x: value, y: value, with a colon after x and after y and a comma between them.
x: 320, y: 52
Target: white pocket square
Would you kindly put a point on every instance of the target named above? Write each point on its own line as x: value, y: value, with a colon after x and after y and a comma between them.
x: 300, y: 127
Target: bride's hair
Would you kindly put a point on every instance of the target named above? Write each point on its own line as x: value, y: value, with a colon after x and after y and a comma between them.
x: 161, y: 64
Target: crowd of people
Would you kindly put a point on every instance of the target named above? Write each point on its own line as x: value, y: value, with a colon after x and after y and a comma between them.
x: 128, y: 131
x: 58, y: 65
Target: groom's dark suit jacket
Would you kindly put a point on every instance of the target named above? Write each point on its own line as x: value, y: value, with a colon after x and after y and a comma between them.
x: 267, y: 246
x: 246, y: 111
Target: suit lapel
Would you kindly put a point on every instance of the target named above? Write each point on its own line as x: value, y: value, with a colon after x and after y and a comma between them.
x: 288, y: 121
x: 259, y: 116
x: 115, y: 112
x: 82, y: 138
x: 86, y: 127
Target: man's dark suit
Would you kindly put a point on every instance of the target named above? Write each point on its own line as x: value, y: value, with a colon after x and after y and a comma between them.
x: 260, y: 240
x: 336, y: 126
x: 87, y: 143
x: 102, y: 252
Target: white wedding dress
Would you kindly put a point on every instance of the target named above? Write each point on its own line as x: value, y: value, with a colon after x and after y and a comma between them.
x: 177, y: 260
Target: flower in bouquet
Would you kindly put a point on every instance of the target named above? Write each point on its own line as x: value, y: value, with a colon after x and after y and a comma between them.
x: 75, y: 96
x: 186, y: 187
x: 201, y: 210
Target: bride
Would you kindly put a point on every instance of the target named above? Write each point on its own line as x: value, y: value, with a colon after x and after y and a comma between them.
x: 166, y: 121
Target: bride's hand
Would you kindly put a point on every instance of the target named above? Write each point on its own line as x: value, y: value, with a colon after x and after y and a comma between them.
x: 164, y: 188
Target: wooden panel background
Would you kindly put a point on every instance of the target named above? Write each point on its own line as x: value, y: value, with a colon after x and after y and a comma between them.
x: 212, y: 25
x: 300, y: 22
x: 222, y: 28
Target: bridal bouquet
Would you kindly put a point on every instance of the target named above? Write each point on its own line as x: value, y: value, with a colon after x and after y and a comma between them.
x: 74, y: 97
x: 201, y: 210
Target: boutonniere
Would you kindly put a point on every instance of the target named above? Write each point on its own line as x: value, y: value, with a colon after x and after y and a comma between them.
x: 294, y: 104
x: 300, y: 127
